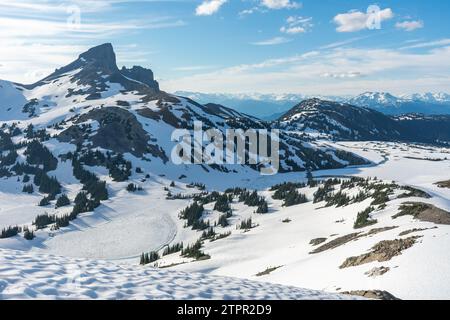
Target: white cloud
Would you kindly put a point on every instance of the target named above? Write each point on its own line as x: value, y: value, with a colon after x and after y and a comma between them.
x: 342, y: 75
x: 42, y: 34
x: 280, y: 4
x: 193, y: 68
x: 338, y: 71
x: 272, y: 41
x: 209, y: 7
x: 356, y: 20
x: 295, y: 25
x: 410, y: 25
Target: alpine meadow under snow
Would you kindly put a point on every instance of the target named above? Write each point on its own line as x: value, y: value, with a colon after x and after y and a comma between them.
x: 92, y: 207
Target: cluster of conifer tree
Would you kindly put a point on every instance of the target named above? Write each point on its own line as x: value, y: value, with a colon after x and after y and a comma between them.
x: 246, y: 224
x: 10, y: 231
x: 150, y: 257
x: 177, y: 247
x: 192, y: 214
x: 194, y: 251
x: 222, y: 204
x: 38, y: 154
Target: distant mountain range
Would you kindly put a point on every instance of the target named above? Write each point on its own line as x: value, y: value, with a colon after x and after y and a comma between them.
x: 272, y: 106
x: 427, y: 103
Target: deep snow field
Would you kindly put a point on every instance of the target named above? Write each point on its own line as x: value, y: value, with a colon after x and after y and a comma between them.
x: 106, y: 245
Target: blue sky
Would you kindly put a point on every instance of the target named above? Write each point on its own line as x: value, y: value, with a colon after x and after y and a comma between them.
x: 268, y: 46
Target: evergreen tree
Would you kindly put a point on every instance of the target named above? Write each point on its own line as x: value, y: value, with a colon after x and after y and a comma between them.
x: 192, y: 214
x: 177, y: 247
x: 131, y: 187
x: 44, y: 202
x: 223, y: 221
x: 28, y: 235
x: 10, y: 232
x: 246, y: 224
x: 62, y: 201
x: 28, y: 188
x: 293, y: 198
x: 263, y: 208
x: 222, y: 204
x: 38, y: 154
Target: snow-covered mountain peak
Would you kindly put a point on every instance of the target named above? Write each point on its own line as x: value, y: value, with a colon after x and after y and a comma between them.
x: 375, y: 98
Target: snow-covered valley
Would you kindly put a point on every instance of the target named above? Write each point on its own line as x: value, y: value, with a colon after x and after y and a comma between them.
x: 87, y: 188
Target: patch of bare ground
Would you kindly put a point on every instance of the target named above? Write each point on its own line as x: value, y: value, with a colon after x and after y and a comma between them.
x: 377, y: 271
x: 267, y: 271
x: 372, y: 294
x: 424, y: 212
x: 316, y: 242
x: 337, y: 242
x: 379, y: 230
x: 406, y: 232
x: 347, y: 238
x: 381, y: 252
x: 443, y: 184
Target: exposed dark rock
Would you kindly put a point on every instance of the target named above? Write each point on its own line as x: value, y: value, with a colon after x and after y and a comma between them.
x: 267, y: 271
x: 406, y: 232
x: 349, y: 237
x: 337, y: 242
x: 316, y: 242
x: 119, y: 131
x: 443, y: 184
x: 142, y: 75
x: 372, y: 294
x: 424, y: 212
x: 382, y: 251
x: 377, y: 272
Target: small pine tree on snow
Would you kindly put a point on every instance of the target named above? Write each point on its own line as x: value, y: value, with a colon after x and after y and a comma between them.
x: 29, y: 235
x: 44, y: 202
x: 222, y: 204
x: 28, y: 188
x: 294, y: 198
x: 223, y: 221
x: 246, y: 224
x: 131, y: 187
x: 62, y: 201
x: 263, y: 208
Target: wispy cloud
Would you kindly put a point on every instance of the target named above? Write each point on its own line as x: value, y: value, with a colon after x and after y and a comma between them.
x: 429, y: 44
x: 49, y: 34
x: 272, y: 41
x: 338, y: 71
x: 410, y: 25
x: 193, y: 68
x: 295, y: 25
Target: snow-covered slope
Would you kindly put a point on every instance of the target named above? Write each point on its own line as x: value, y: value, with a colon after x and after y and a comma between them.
x: 27, y: 276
